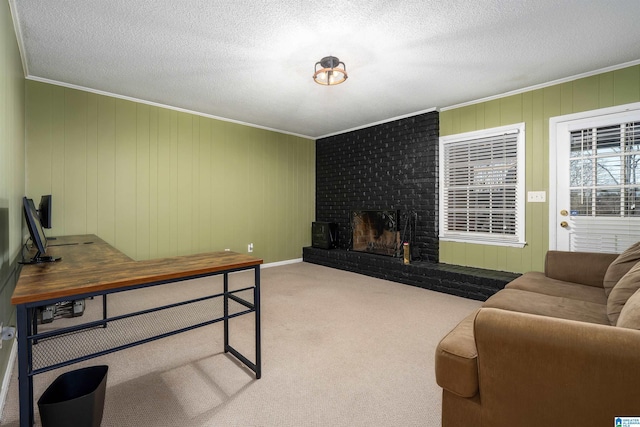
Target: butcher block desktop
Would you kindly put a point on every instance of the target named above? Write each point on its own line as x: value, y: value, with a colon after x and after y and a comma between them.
x: 89, y: 264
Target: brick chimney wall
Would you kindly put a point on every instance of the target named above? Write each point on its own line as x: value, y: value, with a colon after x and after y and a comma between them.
x: 393, y: 165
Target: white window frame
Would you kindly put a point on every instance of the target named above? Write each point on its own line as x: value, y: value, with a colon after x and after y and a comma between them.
x: 486, y: 238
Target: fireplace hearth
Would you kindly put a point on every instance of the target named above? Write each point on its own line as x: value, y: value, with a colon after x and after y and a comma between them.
x: 467, y: 282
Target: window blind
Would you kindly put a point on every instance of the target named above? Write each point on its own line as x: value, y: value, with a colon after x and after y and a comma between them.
x: 612, y: 235
x: 480, y: 189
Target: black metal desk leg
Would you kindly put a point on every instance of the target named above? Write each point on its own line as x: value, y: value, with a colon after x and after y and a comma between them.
x: 34, y: 321
x: 25, y: 380
x: 104, y: 309
x: 226, y: 312
x: 256, y: 303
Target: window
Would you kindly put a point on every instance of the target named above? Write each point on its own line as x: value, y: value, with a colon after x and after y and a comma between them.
x: 605, y: 171
x: 482, y: 186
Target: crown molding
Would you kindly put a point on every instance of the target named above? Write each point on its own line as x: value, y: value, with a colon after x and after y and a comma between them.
x: 544, y: 85
x: 156, y: 104
x: 392, y: 119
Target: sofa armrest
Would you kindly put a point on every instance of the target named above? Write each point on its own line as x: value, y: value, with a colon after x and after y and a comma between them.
x: 544, y: 371
x: 456, y: 360
x: 587, y: 268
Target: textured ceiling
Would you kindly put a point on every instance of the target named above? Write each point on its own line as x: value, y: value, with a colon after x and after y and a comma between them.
x: 252, y: 61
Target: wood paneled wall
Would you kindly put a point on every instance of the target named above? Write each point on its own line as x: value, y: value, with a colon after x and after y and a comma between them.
x: 12, y: 180
x: 155, y: 182
x: 535, y: 108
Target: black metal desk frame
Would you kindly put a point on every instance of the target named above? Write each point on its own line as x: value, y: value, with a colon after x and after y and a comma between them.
x: 28, y: 335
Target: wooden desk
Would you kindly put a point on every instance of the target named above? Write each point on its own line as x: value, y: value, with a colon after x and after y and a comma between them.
x: 91, y: 267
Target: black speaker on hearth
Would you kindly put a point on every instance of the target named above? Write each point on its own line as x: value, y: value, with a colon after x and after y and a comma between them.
x: 324, y: 235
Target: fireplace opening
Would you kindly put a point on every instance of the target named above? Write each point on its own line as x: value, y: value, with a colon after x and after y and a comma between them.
x: 375, y: 231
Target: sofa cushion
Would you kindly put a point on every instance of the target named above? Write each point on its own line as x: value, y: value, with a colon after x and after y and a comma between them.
x: 586, y: 268
x: 537, y: 282
x: 456, y: 359
x: 630, y: 314
x: 626, y: 286
x: 621, y: 266
x: 549, y: 305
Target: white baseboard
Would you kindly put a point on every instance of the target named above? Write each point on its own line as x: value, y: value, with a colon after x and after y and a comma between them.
x: 273, y: 264
x: 281, y: 263
x: 7, y: 377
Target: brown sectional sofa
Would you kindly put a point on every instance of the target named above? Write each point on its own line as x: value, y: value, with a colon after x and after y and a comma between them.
x: 559, y: 348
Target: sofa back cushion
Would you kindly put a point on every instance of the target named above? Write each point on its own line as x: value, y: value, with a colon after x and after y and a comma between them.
x: 621, y: 292
x: 621, y: 266
x: 630, y: 314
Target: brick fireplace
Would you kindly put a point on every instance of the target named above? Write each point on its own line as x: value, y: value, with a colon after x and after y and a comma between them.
x: 391, y: 166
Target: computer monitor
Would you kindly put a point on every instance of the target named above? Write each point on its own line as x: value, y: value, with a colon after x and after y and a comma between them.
x: 36, y: 233
x: 44, y: 211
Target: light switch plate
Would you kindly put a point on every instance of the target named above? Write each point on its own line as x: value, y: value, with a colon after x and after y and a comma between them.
x: 536, y: 196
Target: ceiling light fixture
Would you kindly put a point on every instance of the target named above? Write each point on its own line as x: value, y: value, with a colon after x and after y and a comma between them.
x: 330, y: 72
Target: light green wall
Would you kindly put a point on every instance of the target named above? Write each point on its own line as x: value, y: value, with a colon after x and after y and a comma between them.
x: 535, y: 108
x: 155, y: 182
x: 11, y: 167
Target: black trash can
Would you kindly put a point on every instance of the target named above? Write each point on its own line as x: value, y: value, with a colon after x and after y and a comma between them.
x: 75, y: 398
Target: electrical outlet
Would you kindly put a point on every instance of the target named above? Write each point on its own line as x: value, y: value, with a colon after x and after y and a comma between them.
x: 250, y: 247
x: 6, y: 333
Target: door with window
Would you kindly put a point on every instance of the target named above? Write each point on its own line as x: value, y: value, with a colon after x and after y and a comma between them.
x: 597, y: 205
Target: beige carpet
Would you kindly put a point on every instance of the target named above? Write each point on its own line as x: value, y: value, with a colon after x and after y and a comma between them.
x: 338, y: 349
